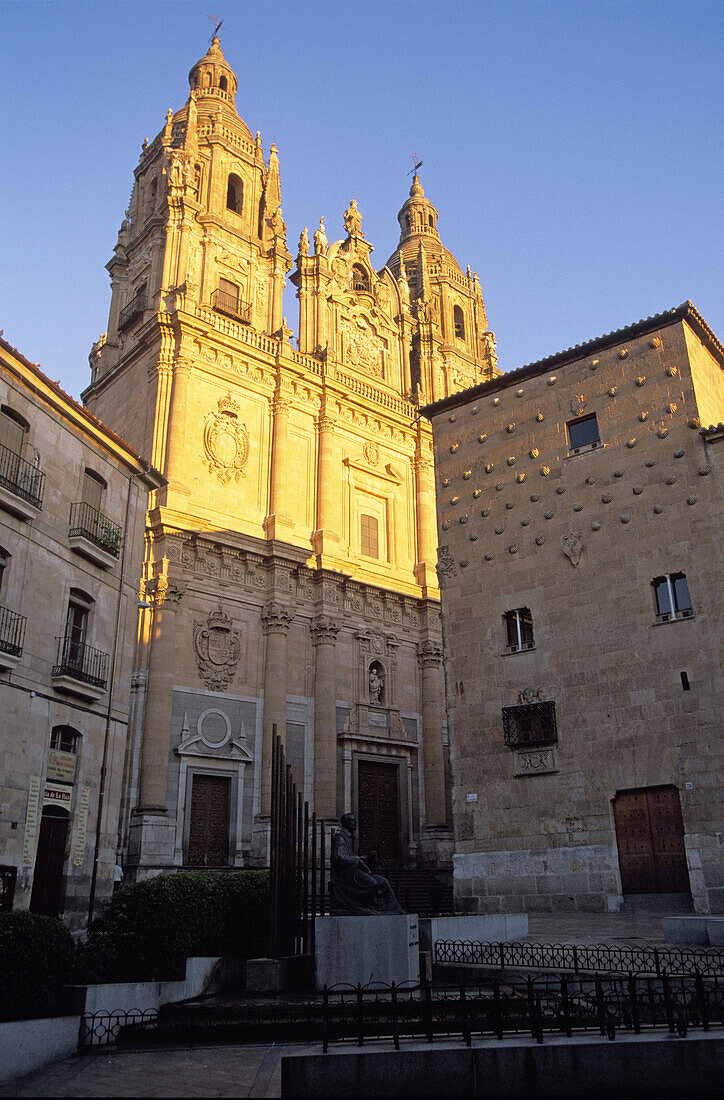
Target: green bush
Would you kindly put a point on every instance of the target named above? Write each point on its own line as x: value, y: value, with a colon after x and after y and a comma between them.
x: 150, y: 927
x: 36, y: 960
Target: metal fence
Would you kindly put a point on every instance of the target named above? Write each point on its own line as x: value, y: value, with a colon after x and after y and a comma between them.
x: 100, y: 1029
x: 579, y: 958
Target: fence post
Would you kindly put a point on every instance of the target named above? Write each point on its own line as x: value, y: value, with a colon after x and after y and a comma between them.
x: 565, y: 1004
x: 360, y: 1015
x: 701, y: 1000
x: 668, y: 1003
x: 427, y: 1008
x: 498, y: 1014
x: 395, y: 1029
x: 634, y: 1002
x: 502, y: 955
x: 657, y: 964
x: 575, y: 958
x: 600, y: 1006
x: 325, y: 1019
x: 464, y: 1022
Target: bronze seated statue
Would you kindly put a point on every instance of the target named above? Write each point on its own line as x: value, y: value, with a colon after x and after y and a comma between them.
x: 354, y: 887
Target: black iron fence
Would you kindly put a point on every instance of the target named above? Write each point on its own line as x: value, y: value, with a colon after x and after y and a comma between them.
x: 231, y: 305
x: 81, y: 662
x: 93, y: 525
x: 12, y: 632
x: 100, y: 1029
x: 21, y: 478
x: 135, y: 308
x: 561, y: 1005
x: 583, y: 957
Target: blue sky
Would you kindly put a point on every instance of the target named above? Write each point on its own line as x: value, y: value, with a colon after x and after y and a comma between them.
x: 573, y: 148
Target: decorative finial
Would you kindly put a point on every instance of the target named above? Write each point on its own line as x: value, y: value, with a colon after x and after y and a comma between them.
x: 416, y: 163
x: 218, y: 24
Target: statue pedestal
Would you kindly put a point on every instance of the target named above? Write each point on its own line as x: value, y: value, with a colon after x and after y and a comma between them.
x: 380, y: 948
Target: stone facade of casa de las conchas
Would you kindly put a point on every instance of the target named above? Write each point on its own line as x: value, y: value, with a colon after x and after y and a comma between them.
x: 290, y: 566
x: 579, y: 525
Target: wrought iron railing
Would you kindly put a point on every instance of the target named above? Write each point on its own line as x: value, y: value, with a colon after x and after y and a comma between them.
x: 597, y: 957
x: 99, y: 529
x: 12, y: 632
x: 132, y: 310
x: 81, y: 662
x: 493, y: 1007
x: 231, y: 305
x: 22, y: 478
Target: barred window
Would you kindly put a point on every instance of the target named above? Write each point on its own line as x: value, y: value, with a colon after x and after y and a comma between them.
x: 529, y: 725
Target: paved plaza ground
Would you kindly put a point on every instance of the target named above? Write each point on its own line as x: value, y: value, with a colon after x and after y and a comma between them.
x: 255, y: 1070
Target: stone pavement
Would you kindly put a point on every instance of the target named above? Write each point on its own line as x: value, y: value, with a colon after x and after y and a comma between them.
x: 637, y: 929
x: 204, y: 1071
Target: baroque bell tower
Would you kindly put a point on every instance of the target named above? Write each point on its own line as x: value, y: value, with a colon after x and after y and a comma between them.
x: 289, y: 581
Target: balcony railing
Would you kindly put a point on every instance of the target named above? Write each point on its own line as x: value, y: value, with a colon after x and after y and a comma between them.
x: 12, y: 632
x: 21, y: 478
x: 81, y: 662
x: 134, y: 309
x: 93, y: 525
x: 230, y: 304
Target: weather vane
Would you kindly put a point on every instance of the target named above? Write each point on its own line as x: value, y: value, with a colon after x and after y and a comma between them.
x: 218, y: 24
x: 415, y: 163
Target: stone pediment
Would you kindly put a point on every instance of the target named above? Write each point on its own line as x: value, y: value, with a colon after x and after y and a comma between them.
x: 213, y: 739
x: 362, y: 463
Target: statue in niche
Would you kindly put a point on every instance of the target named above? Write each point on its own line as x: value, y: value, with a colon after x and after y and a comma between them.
x: 377, y: 683
x: 321, y: 244
x: 354, y: 887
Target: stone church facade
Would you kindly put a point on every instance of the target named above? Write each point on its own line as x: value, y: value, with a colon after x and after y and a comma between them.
x: 579, y: 521
x: 290, y: 575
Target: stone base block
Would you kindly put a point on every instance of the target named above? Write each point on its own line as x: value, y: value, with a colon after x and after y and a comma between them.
x: 352, y: 950
x: 290, y: 974
x: 694, y: 931
x: 495, y: 927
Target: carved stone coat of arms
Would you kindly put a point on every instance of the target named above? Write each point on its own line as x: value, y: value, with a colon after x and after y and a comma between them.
x: 217, y: 648
x: 226, y: 441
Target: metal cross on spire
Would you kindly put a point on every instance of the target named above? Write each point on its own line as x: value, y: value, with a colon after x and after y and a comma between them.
x: 416, y: 163
x: 218, y: 24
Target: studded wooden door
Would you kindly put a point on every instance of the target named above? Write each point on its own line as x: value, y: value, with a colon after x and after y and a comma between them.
x: 650, y: 837
x: 209, y: 824
x: 378, y: 812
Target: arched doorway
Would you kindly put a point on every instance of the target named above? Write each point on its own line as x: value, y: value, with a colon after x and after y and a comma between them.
x: 47, y: 892
x: 650, y: 838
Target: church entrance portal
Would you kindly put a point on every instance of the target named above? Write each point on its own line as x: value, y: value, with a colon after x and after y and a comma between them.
x: 209, y: 823
x: 47, y: 892
x: 650, y: 837
x: 378, y: 811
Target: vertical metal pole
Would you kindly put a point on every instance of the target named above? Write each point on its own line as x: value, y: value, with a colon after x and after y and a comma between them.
x: 314, y: 879
x: 300, y: 912
x: 305, y: 880
x: 322, y: 857
x: 701, y: 1000
x: 273, y: 898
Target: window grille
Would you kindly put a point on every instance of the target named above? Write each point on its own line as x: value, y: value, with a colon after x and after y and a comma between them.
x: 529, y: 725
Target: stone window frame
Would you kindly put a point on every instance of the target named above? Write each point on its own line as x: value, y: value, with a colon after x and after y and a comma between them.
x: 589, y: 444
x: 667, y: 584
x: 521, y: 618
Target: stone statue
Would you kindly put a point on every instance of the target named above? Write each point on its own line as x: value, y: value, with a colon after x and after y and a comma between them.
x: 321, y: 244
x: 376, y: 684
x: 304, y: 242
x: 353, y: 220
x: 354, y: 888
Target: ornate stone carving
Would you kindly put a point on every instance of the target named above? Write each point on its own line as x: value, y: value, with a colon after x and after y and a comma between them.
x: 371, y: 452
x: 446, y: 567
x: 535, y: 762
x: 364, y: 347
x: 578, y: 404
x: 530, y: 695
x: 226, y: 441
x: 353, y: 220
x: 321, y: 244
x: 573, y: 546
x: 429, y: 653
x: 324, y: 630
x: 376, y: 680
x: 165, y: 591
x: 217, y: 648
x: 275, y: 619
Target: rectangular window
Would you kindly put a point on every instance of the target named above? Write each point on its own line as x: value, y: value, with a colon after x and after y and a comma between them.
x: 519, y: 629
x: 92, y: 490
x: 671, y: 593
x: 583, y: 433
x: 229, y: 292
x: 369, y: 537
x: 12, y: 433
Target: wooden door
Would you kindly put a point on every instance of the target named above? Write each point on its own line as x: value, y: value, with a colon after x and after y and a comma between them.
x: 378, y: 812
x: 47, y: 894
x: 209, y: 822
x: 650, y: 837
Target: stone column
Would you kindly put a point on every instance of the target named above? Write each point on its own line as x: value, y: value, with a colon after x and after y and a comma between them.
x: 324, y: 635
x: 166, y: 594
x: 176, y: 432
x: 425, y: 574
x: 325, y: 483
x: 275, y: 621
x: 278, y: 516
x: 429, y: 655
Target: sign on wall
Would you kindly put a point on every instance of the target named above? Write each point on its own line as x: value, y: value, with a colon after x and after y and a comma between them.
x: 82, y: 826
x: 61, y: 766
x: 31, y: 819
x: 56, y: 794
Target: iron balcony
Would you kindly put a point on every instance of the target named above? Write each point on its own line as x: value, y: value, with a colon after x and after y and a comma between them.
x: 81, y: 662
x: 20, y: 478
x: 89, y: 523
x: 12, y: 632
x: 231, y: 306
x: 134, y: 309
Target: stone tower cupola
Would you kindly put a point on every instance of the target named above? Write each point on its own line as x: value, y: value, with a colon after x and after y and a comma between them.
x: 212, y: 76
x: 418, y: 216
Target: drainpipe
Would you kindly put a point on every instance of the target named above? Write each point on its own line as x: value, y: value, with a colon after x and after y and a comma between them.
x: 111, y: 693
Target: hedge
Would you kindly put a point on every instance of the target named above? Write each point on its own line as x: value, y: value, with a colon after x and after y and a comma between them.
x: 36, y: 961
x: 151, y: 927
